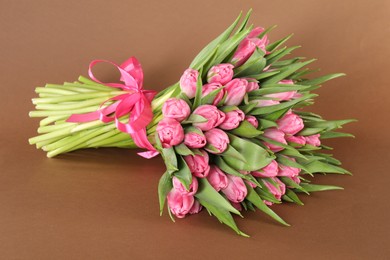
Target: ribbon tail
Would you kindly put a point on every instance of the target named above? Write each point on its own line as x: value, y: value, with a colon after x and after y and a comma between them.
x: 79, y: 118
x: 148, y: 154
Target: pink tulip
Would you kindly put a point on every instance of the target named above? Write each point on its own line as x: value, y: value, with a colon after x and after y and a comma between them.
x: 236, y: 190
x: 288, y: 170
x: 266, y: 102
x: 252, y: 85
x: 177, y: 185
x: 232, y: 120
x: 252, y: 120
x: 313, y: 140
x: 179, y: 204
x: 176, y: 108
x: 196, y: 208
x: 283, y: 95
x: 217, y: 141
x: 206, y: 89
x: 299, y: 141
x: 195, y: 139
x: 237, y: 206
x: 247, y: 46
x: 278, y: 191
x: 188, y: 82
x: 217, y: 178
x: 198, y: 164
x: 253, y: 185
x: 213, y: 116
x: 271, y: 170
x: 236, y: 90
x: 221, y: 73
x: 276, y: 135
x: 290, y: 123
x: 170, y: 132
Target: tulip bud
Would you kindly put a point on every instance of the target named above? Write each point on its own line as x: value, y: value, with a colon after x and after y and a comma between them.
x: 206, y: 89
x: 288, y: 170
x: 180, y: 187
x: 217, y: 178
x: 213, y: 116
x: 194, y: 138
x: 278, y: 190
x: 188, y: 82
x: 196, y: 208
x: 176, y: 108
x: 170, y: 132
x: 232, y: 120
x: 236, y: 190
x: 198, y: 164
x: 266, y: 102
x: 252, y: 120
x: 271, y: 170
x: 217, y: 141
x: 290, y: 123
x: 313, y: 140
x: 221, y: 73
x: 252, y: 85
x: 179, y: 204
x: 298, y: 141
x: 283, y: 95
x: 236, y: 90
x: 276, y: 135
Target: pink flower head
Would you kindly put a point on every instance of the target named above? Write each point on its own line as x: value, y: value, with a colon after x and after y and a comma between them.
x: 246, y: 48
x: 290, y: 123
x: 198, y: 164
x: 206, y: 89
x: 232, y: 120
x: 196, y: 208
x: 236, y: 90
x: 217, y: 178
x: 276, y: 135
x: 313, y: 140
x: 176, y: 108
x: 179, y: 204
x: 283, y: 95
x: 288, y: 170
x: 252, y: 120
x: 170, y: 132
x: 221, y: 73
x: 213, y: 116
x: 252, y: 85
x: 236, y: 190
x: 278, y: 191
x: 195, y: 139
x: 217, y: 141
x: 177, y: 185
x: 271, y: 170
x: 299, y: 141
x: 188, y: 82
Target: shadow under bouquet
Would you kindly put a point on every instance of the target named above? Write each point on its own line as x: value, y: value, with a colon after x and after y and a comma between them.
x: 232, y: 132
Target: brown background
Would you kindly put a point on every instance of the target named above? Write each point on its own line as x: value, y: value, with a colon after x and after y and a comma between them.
x: 102, y: 204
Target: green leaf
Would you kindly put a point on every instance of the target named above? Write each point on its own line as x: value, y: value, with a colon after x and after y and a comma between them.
x: 283, y: 105
x: 310, y: 131
x: 275, y: 45
x: 290, y: 183
x: 222, y: 215
x: 329, y: 125
x: 248, y: 107
x: 233, y: 153
x: 256, y: 156
x: 170, y: 159
x: 264, y: 74
x: 254, y: 198
x: 209, y: 98
x: 246, y: 129
x: 276, y: 88
x: 208, y: 194
x: 182, y: 149
x: 283, y: 63
x: 198, y: 94
x: 164, y: 187
x: 314, y: 187
x: 206, y: 52
x: 319, y: 166
x: 194, y: 118
x: 254, y: 64
x: 320, y: 80
x: 184, y: 173
x: 264, y: 124
x: 331, y: 134
x: 294, y: 198
x: 285, y: 51
x: 285, y: 161
x: 265, y: 194
x: 285, y: 72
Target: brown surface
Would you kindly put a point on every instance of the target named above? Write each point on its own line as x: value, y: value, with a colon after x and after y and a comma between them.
x: 102, y: 204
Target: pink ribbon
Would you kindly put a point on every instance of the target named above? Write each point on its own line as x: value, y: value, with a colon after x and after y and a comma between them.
x: 136, y: 103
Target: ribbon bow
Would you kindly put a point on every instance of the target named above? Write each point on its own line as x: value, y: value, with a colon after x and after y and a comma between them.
x: 136, y: 103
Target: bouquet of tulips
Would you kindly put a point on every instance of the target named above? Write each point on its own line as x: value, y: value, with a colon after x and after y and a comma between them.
x: 232, y: 131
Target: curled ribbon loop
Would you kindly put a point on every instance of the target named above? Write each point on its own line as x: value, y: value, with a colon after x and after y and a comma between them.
x: 136, y: 103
